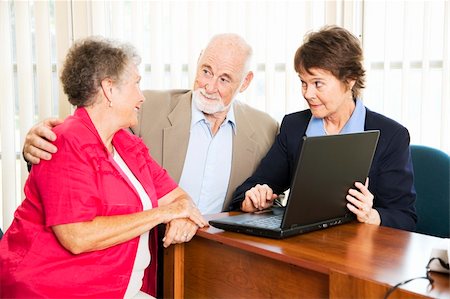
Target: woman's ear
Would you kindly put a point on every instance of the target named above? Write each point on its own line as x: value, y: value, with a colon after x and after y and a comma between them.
x: 350, y: 83
x: 107, y: 88
x: 107, y: 85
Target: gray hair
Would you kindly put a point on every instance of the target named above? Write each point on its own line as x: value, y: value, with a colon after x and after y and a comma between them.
x: 91, y: 60
x: 237, y: 42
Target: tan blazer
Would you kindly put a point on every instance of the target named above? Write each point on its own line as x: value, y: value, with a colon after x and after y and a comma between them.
x: 164, y: 125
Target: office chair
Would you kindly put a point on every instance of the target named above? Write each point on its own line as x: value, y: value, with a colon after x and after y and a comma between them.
x: 432, y: 183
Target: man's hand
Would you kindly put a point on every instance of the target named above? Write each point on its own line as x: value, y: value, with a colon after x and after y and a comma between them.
x: 38, y: 144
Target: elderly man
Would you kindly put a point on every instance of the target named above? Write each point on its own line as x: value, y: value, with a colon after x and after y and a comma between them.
x: 207, y: 141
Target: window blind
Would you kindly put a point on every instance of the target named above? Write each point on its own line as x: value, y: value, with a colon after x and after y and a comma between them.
x: 406, y: 46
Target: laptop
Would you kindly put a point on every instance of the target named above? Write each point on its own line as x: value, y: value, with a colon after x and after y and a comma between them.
x: 327, y: 167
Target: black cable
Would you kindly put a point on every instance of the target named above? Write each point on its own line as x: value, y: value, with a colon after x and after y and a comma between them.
x: 392, y: 289
x: 441, y: 261
x: 427, y: 276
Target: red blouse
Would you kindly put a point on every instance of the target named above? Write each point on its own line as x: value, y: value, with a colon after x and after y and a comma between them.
x: 80, y: 182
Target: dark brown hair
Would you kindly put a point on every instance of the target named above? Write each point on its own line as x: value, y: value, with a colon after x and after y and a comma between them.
x: 91, y: 60
x: 336, y: 50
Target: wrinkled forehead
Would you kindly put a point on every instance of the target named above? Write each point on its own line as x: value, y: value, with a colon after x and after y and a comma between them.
x: 223, y: 59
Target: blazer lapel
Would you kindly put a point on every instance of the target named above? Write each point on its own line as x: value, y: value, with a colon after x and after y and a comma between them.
x: 243, y: 147
x: 176, y: 137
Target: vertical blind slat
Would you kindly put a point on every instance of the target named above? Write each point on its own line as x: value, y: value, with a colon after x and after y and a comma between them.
x: 24, y: 77
x: 81, y: 19
x: 406, y: 63
x: 137, y: 32
x: 293, y: 97
x: 387, y: 60
x: 348, y: 10
x: 117, y: 19
x: 425, y: 71
x: 332, y: 12
x: 63, y: 32
x: 8, y: 158
x: 157, y: 46
x: 99, y: 21
x: 195, y: 42
x: 176, y: 11
x: 251, y: 32
x: 290, y: 45
x: 269, y: 56
x: 43, y: 59
x: 445, y: 109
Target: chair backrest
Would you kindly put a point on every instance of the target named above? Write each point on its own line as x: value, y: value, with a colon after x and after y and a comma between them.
x: 432, y: 183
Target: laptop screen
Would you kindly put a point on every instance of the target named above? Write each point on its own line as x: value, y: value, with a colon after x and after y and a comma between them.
x: 327, y: 167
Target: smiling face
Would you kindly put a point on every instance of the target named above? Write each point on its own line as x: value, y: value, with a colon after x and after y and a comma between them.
x: 325, y: 94
x: 220, y: 76
x: 127, y: 96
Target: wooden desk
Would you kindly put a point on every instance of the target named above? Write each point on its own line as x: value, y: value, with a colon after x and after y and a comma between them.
x: 348, y: 261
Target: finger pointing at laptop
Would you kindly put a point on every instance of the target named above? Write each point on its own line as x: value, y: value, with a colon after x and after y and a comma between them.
x: 257, y: 198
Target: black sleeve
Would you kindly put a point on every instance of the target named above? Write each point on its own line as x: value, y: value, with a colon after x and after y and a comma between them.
x: 276, y: 168
x: 392, y: 182
x: 26, y: 161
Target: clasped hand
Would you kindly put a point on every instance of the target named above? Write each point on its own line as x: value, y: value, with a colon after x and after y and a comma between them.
x: 185, y: 220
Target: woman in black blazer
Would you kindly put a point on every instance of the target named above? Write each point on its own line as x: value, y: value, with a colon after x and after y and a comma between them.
x: 330, y: 67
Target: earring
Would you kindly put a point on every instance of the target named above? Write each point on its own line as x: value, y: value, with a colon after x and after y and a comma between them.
x: 110, y: 104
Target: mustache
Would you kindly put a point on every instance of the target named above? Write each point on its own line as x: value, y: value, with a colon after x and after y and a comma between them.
x: 204, y: 94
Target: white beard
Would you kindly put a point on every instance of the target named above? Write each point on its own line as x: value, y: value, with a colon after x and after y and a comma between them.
x: 212, y: 104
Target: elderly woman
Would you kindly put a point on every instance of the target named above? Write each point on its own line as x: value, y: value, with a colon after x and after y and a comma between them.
x: 329, y: 65
x: 83, y: 228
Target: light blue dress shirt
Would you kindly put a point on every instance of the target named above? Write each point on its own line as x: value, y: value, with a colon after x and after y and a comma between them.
x: 355, y: 123
x: 207, y: 165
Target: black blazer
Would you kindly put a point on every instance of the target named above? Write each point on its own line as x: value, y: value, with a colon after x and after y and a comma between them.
x: 390, y: 177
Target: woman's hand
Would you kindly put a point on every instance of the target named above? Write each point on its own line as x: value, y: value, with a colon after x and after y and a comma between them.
x: 106, y: 231
x: 182, y: 207
x: 181, y: 215
x: 179, y: 231
x: 361, y: 203
x: 257, y: 198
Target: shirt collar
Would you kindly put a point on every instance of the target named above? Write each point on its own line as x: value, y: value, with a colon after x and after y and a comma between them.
x: 199, y: 116
x: 354, y: 124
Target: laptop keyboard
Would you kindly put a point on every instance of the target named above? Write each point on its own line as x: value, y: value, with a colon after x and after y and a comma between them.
x: 270, y: 222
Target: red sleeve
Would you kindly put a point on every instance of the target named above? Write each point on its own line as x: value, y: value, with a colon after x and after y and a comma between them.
x: 67, y: 184
x: 161, y: 180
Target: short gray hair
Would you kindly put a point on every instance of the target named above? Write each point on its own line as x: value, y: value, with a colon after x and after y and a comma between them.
x: 91, y: 60
x: 238, y: 42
